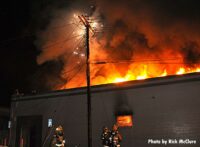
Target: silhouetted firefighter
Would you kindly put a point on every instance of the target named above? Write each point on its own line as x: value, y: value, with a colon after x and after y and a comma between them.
x: 111, y: 138
x: 115, y: 136
x: 58, y: 138
x: 105, y: 137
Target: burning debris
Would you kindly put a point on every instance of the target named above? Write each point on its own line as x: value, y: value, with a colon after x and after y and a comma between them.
x: 133, y: 42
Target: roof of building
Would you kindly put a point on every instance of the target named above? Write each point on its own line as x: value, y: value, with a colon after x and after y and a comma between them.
x: 111, y: 87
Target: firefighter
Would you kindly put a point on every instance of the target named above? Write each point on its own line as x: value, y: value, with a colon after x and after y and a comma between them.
x: 105, y: 137
x: 116, y: 137
x: 58, y: 138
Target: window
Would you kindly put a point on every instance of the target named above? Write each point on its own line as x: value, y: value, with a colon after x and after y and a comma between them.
x: 125, y: 120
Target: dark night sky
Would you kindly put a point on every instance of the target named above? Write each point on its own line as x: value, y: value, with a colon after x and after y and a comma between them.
x: 17, y: 49
x: 20, y: 19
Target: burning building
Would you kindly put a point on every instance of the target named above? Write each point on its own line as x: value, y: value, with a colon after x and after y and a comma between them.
x: 138, y: 42
x: 157, y: 108
x: 145, y: 64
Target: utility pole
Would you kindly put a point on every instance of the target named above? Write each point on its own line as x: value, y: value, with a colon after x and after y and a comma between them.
x: 88, y: 28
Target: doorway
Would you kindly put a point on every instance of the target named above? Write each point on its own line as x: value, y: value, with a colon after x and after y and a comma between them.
x: 29, y: 131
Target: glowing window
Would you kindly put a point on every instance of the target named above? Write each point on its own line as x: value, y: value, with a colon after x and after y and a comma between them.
x: 125, y: 121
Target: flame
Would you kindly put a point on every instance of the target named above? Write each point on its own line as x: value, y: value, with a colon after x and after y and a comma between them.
x: 140, y: 73
x: 144, y: 74
x: 169, y: 59
x: 164, y: 73
x: 124, y: 121
x: 113, y: 73
x: 181, y: 71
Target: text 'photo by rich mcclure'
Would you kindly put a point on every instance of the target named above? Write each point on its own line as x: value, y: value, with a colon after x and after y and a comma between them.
x: 92, y: 73
x: 172, y: 141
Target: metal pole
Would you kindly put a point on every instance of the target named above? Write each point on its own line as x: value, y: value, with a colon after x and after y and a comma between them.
x: 88, y: 87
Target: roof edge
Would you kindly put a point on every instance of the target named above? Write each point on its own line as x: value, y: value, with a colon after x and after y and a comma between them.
x: 113, y: 86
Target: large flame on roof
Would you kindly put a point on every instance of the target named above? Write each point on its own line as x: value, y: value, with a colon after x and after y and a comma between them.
x: 142, y: 72
x: 125, y: 52
x: 139, y: 68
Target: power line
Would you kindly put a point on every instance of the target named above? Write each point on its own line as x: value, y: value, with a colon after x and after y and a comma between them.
x: 34, y: 34
x: 61, y: 41
x: 61, y: 26
x: 72, y: 69
x: 79, y: 69
x: 65, y: 40
x: 158, y: 61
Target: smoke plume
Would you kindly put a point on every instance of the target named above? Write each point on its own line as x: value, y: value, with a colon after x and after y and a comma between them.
x: 138, y: 37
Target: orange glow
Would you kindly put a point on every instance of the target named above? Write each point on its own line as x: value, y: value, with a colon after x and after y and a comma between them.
x: 125, y: 121
x: 181, y: 71
x: 141, y: 61
x: 144, y: 74
x: 118, y: 80
x: 164, y: 73
x: 135, y: 72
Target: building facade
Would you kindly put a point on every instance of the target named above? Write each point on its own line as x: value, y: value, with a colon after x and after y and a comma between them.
x: 161, y: 108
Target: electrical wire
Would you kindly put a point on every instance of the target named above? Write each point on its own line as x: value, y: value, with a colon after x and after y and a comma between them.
x: 28, y: 35
x: 33, y: 34
x: 69, y: 37
x: 78, y: 71
x: 61, y: 26
x: 72, y: 69
x: 62, y: 41
x: 147, y: 61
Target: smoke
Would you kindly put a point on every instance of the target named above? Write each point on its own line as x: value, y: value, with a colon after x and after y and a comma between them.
x: 45, y: 78
x: 133, y: 30
x: 122, y: 106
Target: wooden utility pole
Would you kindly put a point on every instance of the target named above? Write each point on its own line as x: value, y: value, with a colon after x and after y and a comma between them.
x: 89, y: 113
